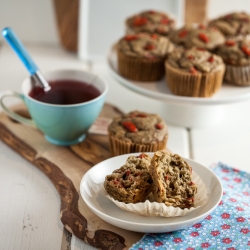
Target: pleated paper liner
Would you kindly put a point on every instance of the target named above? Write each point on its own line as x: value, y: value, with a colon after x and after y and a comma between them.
x: 140, y: 69
x: 237, y: 75
x: 152, y: 208
x: 194, y: 85
x: 119, y: 147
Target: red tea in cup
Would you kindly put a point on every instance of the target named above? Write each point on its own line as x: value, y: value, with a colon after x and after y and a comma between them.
x: 65, y: 92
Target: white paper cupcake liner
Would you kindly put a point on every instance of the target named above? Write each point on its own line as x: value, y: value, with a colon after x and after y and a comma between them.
x: 149, y: 208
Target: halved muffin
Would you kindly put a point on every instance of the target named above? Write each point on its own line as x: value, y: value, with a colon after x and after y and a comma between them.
x: 172, y: 180
x: 132, y: 182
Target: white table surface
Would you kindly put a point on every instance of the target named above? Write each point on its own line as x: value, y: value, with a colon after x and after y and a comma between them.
x: 30, y: 205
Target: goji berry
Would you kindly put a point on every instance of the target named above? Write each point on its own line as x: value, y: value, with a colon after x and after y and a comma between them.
x: 149, y: 47
x: 130, y: 37
x: 230, y: 42
x: 129, y: 126
x: 140, y: 21
x: 193, y: 70
x: 183, y: 33
x: 203, y: 37
x: 158, y: 126
x: 210, y: 59
x: 246, y: 50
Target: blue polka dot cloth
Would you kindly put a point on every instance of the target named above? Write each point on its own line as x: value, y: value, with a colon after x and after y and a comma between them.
x: 227, y: 227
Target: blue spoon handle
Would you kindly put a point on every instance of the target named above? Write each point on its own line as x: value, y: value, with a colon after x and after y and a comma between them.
x: 18, y: 47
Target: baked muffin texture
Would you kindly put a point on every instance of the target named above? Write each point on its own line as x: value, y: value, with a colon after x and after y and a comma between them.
x: 194, y: 72
x: 232, y: 24
x: 137, y: 131
x: 150, y: 21
x: 141, y: 56
x: 236, y: 55
x: 199, y: 36
x: 172, y: 180
x: 132, y: 182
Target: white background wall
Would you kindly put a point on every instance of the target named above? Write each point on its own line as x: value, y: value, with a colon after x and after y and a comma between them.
x: 220, y: 7
x: 32, y: 20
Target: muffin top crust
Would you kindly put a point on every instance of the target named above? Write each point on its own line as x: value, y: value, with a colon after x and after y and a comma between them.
x: 235, y: 52
x: 199, y: 36
x: 139, y: 127
x: 195, y: 61
x: 150, y: 21
x: 232, y: 24
x: 144, y: 45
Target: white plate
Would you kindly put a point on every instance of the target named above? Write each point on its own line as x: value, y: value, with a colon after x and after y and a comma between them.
x: 159, y: 90
x: 91, y: 192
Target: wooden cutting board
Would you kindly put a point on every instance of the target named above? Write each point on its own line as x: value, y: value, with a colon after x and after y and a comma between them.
x: 65, y: 167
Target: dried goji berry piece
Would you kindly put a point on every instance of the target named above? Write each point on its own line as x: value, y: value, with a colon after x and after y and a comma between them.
x: 190, y: 57
x: 142, y: 156
x: 158, y: 126
x: 149, y: 47
x: 230, y: 42
x: 183, y: 33
x: 246, y: 50
x: 129, y: 126
x: 154, y: 36
x: 141, y: 115
x: 210, y: 59
x: 164, y: 20
x: 140, y: 21
x: 193, y: 70
x: 203, y: 37
x: 130, y: 37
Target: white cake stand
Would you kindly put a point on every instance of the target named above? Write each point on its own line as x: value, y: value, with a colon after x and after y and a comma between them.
x: 184, y: 111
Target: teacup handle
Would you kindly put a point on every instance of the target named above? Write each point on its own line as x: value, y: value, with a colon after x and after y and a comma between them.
x: 13, y: 114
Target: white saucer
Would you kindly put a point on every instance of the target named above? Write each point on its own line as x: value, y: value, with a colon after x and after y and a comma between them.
x: 91, y: 192
x: 159, y: 90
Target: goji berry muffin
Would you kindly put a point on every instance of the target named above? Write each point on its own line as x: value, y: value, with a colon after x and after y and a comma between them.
x: 132, y: 182
x: 141, y: 56
x: 137, y: 131
x: 232, y: 24
x: 194, y: 72
x: 236, y: 56
x: 199, y: 36
x: 172, y: 180
x: 150, y: 21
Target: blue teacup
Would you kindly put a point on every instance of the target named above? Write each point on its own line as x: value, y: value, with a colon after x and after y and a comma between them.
x: 62, y: 124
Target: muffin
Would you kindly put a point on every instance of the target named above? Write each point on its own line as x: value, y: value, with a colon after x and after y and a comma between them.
x: 233, y: 24
x: 137, y: 132
x: 132, y: 182
x: 199, y: 36
x: 194, y: 72
x: 150, y: 21
x: 172, y: 182
x: 236, y: 55
x: 141, y: 57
